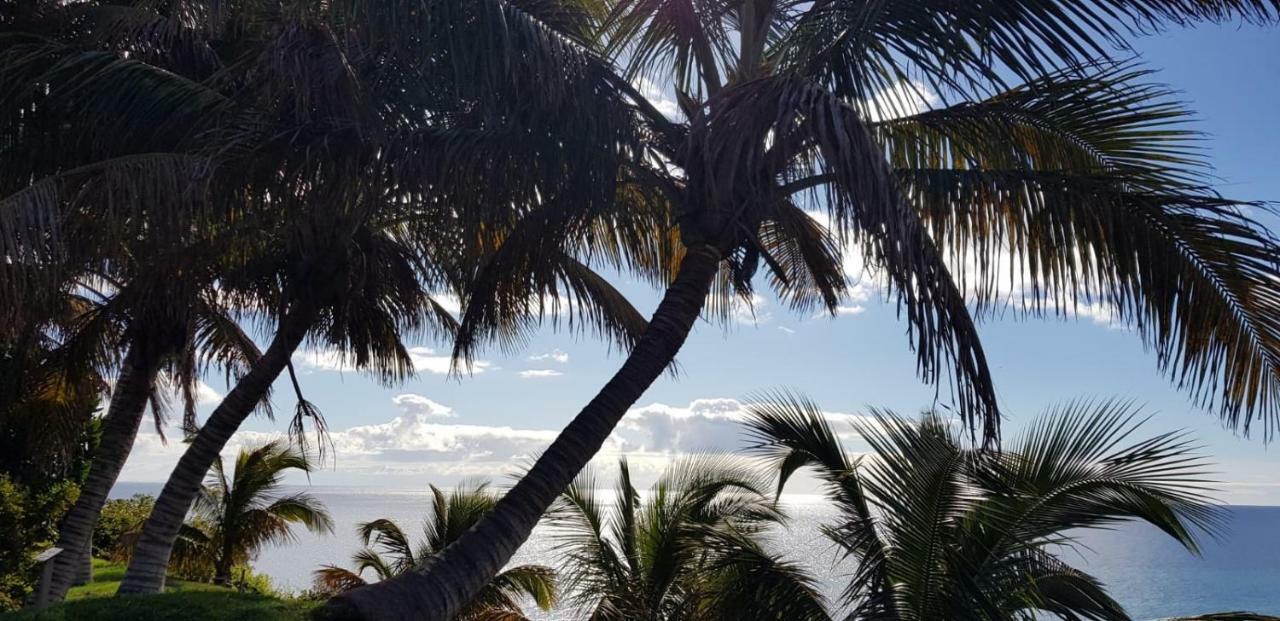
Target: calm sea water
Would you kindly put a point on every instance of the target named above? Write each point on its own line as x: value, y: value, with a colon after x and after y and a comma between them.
x: 1152, y: 576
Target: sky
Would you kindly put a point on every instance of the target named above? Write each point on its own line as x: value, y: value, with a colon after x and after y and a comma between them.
x: 436, y: 428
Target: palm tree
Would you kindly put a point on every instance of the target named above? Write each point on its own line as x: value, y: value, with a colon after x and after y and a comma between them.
x: 693, y: 549
x: 1081, y: 181
x: 317, y: 188
x: 389, y: 552
x: 247, y: 511
x: 938, y: 529
x: 169, y: 345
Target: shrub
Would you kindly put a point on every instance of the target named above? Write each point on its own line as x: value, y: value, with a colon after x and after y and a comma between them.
x: 120, y: 517
x: 28, y: 523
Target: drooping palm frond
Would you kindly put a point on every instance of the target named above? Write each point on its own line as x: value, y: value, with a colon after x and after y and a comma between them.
x: 690, y: 40
x: 529, y: 280
x: 768, y: 123
x: 1091, y: 188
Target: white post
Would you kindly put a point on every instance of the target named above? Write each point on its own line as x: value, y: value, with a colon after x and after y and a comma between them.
x: 43, y: 591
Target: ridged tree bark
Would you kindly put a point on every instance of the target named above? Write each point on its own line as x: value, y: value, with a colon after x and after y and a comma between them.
x: 439, y: 589
x: 146, y: 571
x: 119, y: 429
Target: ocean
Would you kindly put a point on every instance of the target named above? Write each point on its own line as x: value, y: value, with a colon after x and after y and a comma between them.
x: 1145, y: 570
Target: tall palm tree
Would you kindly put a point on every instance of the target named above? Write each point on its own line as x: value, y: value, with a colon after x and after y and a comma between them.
x: 324, y: 161
x: 939, y: 529
x: 1081, y: 181
x: 389, y: 552
x: 691, y: 550
x: 167, y: 346
x: 247, y: 511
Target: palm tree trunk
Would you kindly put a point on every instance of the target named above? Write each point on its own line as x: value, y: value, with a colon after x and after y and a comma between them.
x: 146, y: 571
x: 120, y: 427
x: 440, y: 588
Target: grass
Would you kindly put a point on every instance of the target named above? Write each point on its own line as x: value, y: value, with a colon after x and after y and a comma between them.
x: 190, y: 601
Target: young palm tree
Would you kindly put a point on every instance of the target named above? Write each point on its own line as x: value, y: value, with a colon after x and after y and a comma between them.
x: 693, y: 549
x: 390, y: 552
x: 938, y: 529
x: 247, y: 511
x: 1082, y: 182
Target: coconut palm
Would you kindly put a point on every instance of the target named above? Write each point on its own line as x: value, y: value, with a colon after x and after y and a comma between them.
x: 389, y: 552
x: 1045, y: 160
x: 692, y: 549
x: 938, y: 529
x: 168, y: 346
x: 246, y: 510
x: 319, y: 187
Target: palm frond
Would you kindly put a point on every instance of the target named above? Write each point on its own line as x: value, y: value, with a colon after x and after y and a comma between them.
x: 334, y: 579
x: 862, y: 49
x: 1091, y: 188
x: 757, y: 129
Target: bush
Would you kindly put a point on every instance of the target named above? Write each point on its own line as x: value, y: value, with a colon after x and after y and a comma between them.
x: 28, y: 524
x: 120, y: 517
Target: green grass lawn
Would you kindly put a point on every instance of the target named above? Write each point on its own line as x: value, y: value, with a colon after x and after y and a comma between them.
x: 189, y: 601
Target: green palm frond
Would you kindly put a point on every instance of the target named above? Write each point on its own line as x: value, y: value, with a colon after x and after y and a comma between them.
x: 390, y: 540
x: 243, y: 512
x: 691, y: 548
x: 334, y: 579
x: 536, y: 582
x: 938, y: 528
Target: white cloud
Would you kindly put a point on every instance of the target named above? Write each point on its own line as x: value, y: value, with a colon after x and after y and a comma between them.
x: 556, y: 355
x: 539, y: 373
x: 902, y: 99
x: 704, y: 425
x: 425, y: 360
x: 416, y: 405
x: 786, y: 330
x: 664, y: 104
x: 206, y: 394
x: 425, y: 441
x: 753, y: 312
x: 851, y: 309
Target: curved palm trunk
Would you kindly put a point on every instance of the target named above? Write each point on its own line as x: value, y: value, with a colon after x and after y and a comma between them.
x: 439, y: 589
x: 146, y: 571
x: 120, y: 427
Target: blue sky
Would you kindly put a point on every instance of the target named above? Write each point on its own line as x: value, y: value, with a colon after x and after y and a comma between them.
x: 449, y: 428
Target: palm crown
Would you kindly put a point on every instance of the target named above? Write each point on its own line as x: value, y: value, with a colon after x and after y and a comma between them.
x: 389, y: 551
x: 694, y: 547
x: 936, y: 529
x: 1049, y: 172
x: 245, y: 511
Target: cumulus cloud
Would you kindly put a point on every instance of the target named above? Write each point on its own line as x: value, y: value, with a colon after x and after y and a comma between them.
x: 554, y: 355
x: 902, y: 99
x: 842, y: 310
x: 539, y: 373
x: 206, y: 394
x: 426, y: 442
x: 749, y: 312
x: 664, y: 104
x: 425, y: 360
x: 418, y: 406
x: 704, y: 425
